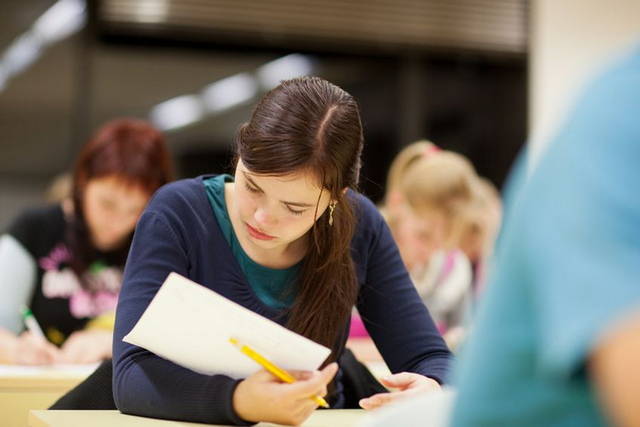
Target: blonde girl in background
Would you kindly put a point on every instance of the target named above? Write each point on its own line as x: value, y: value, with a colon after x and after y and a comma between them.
x: 429, y: 206
x: 443, y: 218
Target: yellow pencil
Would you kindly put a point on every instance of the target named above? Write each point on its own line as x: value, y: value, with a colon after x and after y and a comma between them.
x: 272, y: 368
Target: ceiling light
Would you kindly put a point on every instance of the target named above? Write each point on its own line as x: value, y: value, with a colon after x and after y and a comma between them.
x: 177, y: 112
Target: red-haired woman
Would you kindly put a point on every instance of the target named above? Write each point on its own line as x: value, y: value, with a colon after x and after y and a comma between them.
x: 64, y: 262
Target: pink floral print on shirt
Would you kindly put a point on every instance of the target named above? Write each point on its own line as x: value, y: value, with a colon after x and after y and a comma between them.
x: 100, y: 294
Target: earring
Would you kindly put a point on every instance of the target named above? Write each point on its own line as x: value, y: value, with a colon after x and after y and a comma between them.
x: 332, y: 206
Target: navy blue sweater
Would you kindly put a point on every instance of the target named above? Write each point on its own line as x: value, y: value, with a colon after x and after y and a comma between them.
x: 178, y: 232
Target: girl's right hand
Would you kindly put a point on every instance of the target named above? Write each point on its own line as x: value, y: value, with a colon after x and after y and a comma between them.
x: 262, y: 397
x: 29, y: 349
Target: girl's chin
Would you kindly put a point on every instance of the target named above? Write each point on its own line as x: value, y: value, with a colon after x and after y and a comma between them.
x: 107, y: 244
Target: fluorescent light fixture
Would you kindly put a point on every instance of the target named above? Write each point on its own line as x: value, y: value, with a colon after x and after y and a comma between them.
x: 177, y: 112
x: 22, y: 53
x: 150, y: 11
x: 229, y: 92
x: 61, y: 20
x: 3, y: 78
x: 272, y: 73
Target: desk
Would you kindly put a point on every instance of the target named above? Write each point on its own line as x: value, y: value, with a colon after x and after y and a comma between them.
x: 322, y: 418
x: 23, y: 388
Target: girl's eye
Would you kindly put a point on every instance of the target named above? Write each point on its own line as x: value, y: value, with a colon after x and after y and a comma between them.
x: 295, y: 212
x: 256, y: 190
x: 251, y: 189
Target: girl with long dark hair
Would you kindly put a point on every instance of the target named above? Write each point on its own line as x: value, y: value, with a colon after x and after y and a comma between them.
x: 289, y: 238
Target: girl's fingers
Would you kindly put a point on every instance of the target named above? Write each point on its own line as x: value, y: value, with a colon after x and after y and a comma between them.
x: 377, y: 400
x: 400, y: 380
x: 301, y: 375
x: 305, y: 388
x: 381, y: 399
x: 322, y: 392
x: 408, y: 381
x: 317, y: 381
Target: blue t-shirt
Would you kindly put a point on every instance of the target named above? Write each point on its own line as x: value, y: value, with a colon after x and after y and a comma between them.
x: 274, y: 286
x: 567, y: 268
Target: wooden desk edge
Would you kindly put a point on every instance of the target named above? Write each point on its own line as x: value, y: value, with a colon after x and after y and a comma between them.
x: 38, y: 417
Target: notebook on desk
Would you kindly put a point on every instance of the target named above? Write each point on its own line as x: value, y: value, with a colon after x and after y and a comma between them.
x: 190, y: 325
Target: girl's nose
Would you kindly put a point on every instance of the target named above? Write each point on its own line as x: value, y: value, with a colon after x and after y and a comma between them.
x: 263, y: 216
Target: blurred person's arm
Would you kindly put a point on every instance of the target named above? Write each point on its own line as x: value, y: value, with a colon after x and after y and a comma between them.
x: 17, y: 282
x: 91, y: 344
x: 613, y: 366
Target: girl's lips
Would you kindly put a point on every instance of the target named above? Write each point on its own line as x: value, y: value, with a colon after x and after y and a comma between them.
x: 258, y: 234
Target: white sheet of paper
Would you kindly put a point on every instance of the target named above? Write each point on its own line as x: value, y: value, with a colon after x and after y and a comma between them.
x: 190, y: 325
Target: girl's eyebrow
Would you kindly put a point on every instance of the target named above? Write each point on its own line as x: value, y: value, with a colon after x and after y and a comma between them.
x: 298, y: 204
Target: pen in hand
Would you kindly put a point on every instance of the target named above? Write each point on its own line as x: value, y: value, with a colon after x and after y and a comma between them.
x: 279, y: 373
x: 31, y: 323
x: 32, y: 347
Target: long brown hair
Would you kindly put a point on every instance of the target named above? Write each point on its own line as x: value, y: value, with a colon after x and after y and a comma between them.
x: 309, y: 124
x: 135, y: 152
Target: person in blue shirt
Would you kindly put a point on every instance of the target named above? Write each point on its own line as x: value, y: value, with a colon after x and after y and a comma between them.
x: 557, y: 339
x: 289, y: 238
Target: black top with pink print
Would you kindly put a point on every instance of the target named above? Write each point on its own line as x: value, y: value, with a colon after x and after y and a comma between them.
x: 61, y: 302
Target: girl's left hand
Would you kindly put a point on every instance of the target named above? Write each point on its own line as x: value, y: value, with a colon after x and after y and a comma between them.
x: 87, y: 346
x: 407, y: 384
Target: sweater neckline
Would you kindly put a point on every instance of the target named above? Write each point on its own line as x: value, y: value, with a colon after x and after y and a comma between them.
x: 241, y: 288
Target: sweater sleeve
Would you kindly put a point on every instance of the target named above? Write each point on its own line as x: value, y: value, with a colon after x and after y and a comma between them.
x: 143, y: 383
x: 392, y: 311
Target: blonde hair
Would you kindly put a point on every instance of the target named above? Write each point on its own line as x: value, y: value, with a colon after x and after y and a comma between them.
x: 426, y: 177
x: 484, y: 214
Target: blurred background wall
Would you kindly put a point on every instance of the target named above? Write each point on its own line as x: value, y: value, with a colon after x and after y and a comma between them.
x: 454, y: 72
x: 570, y: 40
